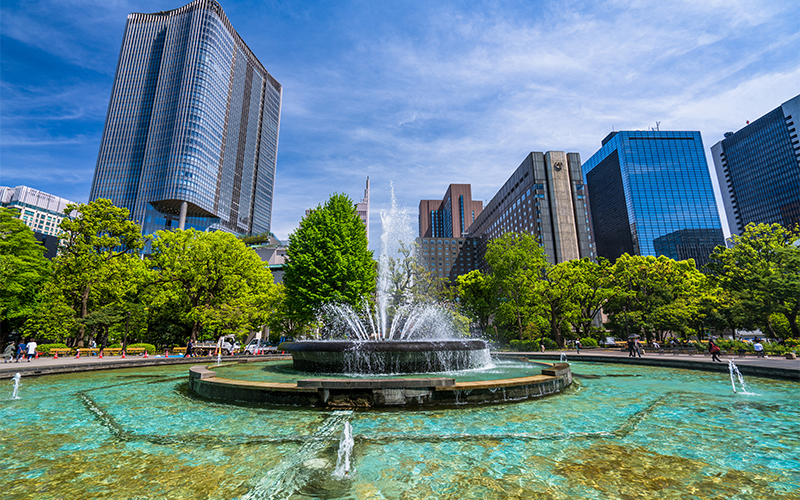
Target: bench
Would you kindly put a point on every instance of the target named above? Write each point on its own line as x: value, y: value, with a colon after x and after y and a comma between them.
x: 61, y: 351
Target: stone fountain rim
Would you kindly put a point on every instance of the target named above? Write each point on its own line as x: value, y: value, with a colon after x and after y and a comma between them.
x: 384, y: 345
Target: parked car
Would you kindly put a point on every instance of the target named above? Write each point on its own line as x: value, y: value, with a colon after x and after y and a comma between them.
x: 257, y: 345
x: 612, y: 342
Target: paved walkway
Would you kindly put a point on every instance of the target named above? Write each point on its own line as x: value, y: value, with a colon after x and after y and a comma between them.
x: 772, y: 366
x: 775, y: 367
x: 69, y: 364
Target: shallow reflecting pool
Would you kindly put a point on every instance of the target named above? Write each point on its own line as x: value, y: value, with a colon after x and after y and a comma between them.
x: 618, y: 432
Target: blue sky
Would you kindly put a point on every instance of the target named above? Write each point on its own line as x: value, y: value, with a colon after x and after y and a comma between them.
x: 422, y: 94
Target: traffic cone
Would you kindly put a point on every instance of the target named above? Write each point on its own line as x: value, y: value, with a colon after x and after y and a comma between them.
x: 37, y: 355
x: 145, y: 354
x: 56, y: 355
x: 123, y: 354
x: 78, y: 355
x: 101, y: 354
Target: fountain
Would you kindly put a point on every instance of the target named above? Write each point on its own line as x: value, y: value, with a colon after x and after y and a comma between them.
x: 398, y: 335
x: 15, y: 393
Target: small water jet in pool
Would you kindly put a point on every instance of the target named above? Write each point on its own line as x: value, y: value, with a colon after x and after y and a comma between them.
x: 737, y: 375
x: 345, y: 449
x: 15, y: 393
x: 562, y: 358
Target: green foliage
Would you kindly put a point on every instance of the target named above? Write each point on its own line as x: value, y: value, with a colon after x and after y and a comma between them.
x: 211, y: 281
x: 150, y: 348
x: 761, y: 272
x: 549, y: 344
x: 517, y: 261
x: 477, y: 297
x: 44, y: 349
x: 328, y: 260
x: 97, y: 267
x: 653, y: 295
x: 259, y: 238
x: 588, y: 342
x: 23, y: 270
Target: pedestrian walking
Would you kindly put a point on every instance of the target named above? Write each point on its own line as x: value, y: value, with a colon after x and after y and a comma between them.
x: 631, y: 348
x: 714, y: 350
x: 189, y: 349
x: 759, y: 349
x: 31, y: 350
x: 638, y: 347
x: 8, y: 353
x: 22, y: 347
x: 578, y: 346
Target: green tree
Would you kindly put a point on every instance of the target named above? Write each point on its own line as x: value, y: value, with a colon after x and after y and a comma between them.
x: 328, y: 260
x: 556, y: 293
x: 591, y: 290
x: 761, y: 270
x: 646, y: 289
x: 212, y: 280
x: 478, y: 297
x: 517, y: 262
x: 94, y: 236
x: 23, y: 272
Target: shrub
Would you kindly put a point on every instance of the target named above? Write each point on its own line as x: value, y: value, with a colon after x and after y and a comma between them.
x: 549, y: 343
x: 530, y: 346
x: 44, y: 349
x: 587, y: 342
x: 150, y: 348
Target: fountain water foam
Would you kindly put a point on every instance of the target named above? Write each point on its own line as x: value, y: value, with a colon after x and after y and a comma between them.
x: 737, y: 375
x: 345, y: 449
x: 17, y: 378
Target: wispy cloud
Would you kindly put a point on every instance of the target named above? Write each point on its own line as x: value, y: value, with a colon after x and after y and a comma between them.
x: 429, y: 93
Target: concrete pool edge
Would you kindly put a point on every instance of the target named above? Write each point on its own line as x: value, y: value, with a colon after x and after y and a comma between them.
x: 378, y: 393
x: 756, y: 370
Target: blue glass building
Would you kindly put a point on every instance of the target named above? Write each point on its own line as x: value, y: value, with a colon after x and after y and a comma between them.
x: 191, y: 132
x: 758, y: 170
x: 650, y: 193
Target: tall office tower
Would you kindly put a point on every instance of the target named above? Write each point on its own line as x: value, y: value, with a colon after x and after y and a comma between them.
x: 191, y: 133
x: 545, y: 196
x: 650, y: 193
x: 758, y: 169
x: 443, y: 227
x: 362, y: 208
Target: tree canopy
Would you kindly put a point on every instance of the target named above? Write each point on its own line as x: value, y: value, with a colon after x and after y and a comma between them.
x: 23, y: 270
x: 328, y: 260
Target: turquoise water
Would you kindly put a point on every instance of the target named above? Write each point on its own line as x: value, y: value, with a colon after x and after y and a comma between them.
x: 619, y: 432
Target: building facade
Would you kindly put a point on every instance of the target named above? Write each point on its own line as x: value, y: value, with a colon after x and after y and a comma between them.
x: 362, y: 208
x: 650, y: 193
x: 758, y: 170
x: 443, y: 224
x: 545, y: 196
x: 191, y: 132
x: 41, y: 211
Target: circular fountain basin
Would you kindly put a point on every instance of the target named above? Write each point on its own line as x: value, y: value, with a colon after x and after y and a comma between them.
x: 389, y: 356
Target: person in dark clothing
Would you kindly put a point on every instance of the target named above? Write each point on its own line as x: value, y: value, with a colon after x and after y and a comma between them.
x: 714, y: 350
x: 189, y: 348
x: 631, y: 348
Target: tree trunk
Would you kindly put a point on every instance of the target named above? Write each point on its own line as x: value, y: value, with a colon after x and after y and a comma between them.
x: 84, y: 313
x: 792, y: 318
x: 195, y: 330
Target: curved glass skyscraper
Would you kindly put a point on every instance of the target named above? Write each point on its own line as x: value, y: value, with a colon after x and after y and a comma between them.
x: 191, y: 133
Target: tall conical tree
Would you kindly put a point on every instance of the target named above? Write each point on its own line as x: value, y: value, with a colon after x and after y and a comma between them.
x: 328, y: 259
